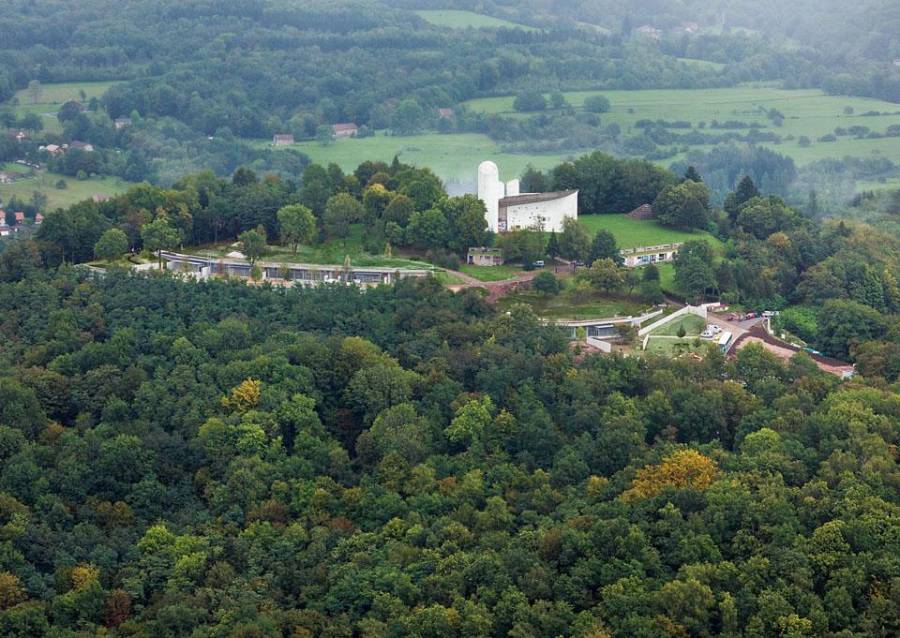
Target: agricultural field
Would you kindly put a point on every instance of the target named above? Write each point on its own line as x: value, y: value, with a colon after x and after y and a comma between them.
x: 807, y: 112
x: 454, y: 157
x: 75, y: 191
x: 632, y: 233
x: 51, y: 97
x: 468, y: 20
x: 572, y: 305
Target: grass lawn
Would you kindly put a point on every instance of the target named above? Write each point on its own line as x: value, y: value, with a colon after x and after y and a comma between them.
x: 490, y: 273
x: 75, y: 191
x: 567, y: 306
x: 468, y: 19
x: 446, y: 278
x: 808, y: 112
x: 632, y: 233
x: 667, y: 277
x: 692, y: 324
x: 667, y: 347
x: 331, y: 252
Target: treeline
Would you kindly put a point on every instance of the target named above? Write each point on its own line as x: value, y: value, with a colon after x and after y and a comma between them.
x: 396, y: 204
x: 185, y: 459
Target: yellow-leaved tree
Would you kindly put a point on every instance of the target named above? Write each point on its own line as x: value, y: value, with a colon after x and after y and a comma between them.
x: 681, y: 469
x: 243, y: 397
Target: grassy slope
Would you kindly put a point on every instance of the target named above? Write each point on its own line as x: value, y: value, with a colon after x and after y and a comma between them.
x: 566, y: 306
x: 467, y: 19
x: 632, y: 233
x: 693, y: 326
x: 53, y: 96
x: 75, y: 192
x: 490, y: 273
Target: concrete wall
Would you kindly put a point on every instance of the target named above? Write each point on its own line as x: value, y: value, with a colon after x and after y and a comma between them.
x: 549, y: 215
x: 604, y: 346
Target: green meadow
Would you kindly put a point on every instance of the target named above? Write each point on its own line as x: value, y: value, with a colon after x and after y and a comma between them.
x: 807, y: 112
x: 453, y: 157
x: 47, y: 102
x: 468, y: 20
x: 75, y: 191
x: 633, y: 233
x: 810, y: 113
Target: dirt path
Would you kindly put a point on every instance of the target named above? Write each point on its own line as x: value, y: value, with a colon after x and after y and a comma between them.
x: 496, y: 289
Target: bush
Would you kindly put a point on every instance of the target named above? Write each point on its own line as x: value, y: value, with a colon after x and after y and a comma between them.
x: 62, y: 185
x: 546, y: 283
x: 443, y: 258
x: 596, y: 104
x: 530, y: 101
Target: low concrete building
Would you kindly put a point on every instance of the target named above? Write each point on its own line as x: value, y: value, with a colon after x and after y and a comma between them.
x: 283, y: 139
x: 645, y: 255
x: 290, y: 274
x: 481, y: 256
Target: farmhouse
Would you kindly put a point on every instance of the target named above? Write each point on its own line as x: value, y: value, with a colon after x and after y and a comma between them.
x: 445, y: 113
x: 53, y: 149
x: 344, y: 129
x: 283, y: 139
x: 122, y: 122
x: 6, y: 178
x: 506, y: 209
x: 82, y: 146
x: 481, y: 256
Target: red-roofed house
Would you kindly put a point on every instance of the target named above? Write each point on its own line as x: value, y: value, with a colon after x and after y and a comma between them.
x: 20, y: 217
x: 38, y: 218
x: 445, y: 113
x: 344, y: 129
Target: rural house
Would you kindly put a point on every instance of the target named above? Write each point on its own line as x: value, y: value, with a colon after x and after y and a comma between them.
x: 82, y: 146
x: 283, y: 139
x: 122, y: 122
x: 344, y: 129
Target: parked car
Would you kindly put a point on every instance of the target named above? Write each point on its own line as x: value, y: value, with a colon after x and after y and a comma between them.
x: 750, y: 315
x: 770, y: 313
x: 714, y: 328
x: 539, y: 263
x: 707, y: 334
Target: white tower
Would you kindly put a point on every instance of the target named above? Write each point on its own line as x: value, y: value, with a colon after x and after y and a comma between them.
x: 490, y: 191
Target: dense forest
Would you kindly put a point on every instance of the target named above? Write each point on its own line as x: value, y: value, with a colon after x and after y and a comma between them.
x: 185, y: 459
x: 237, y: 459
